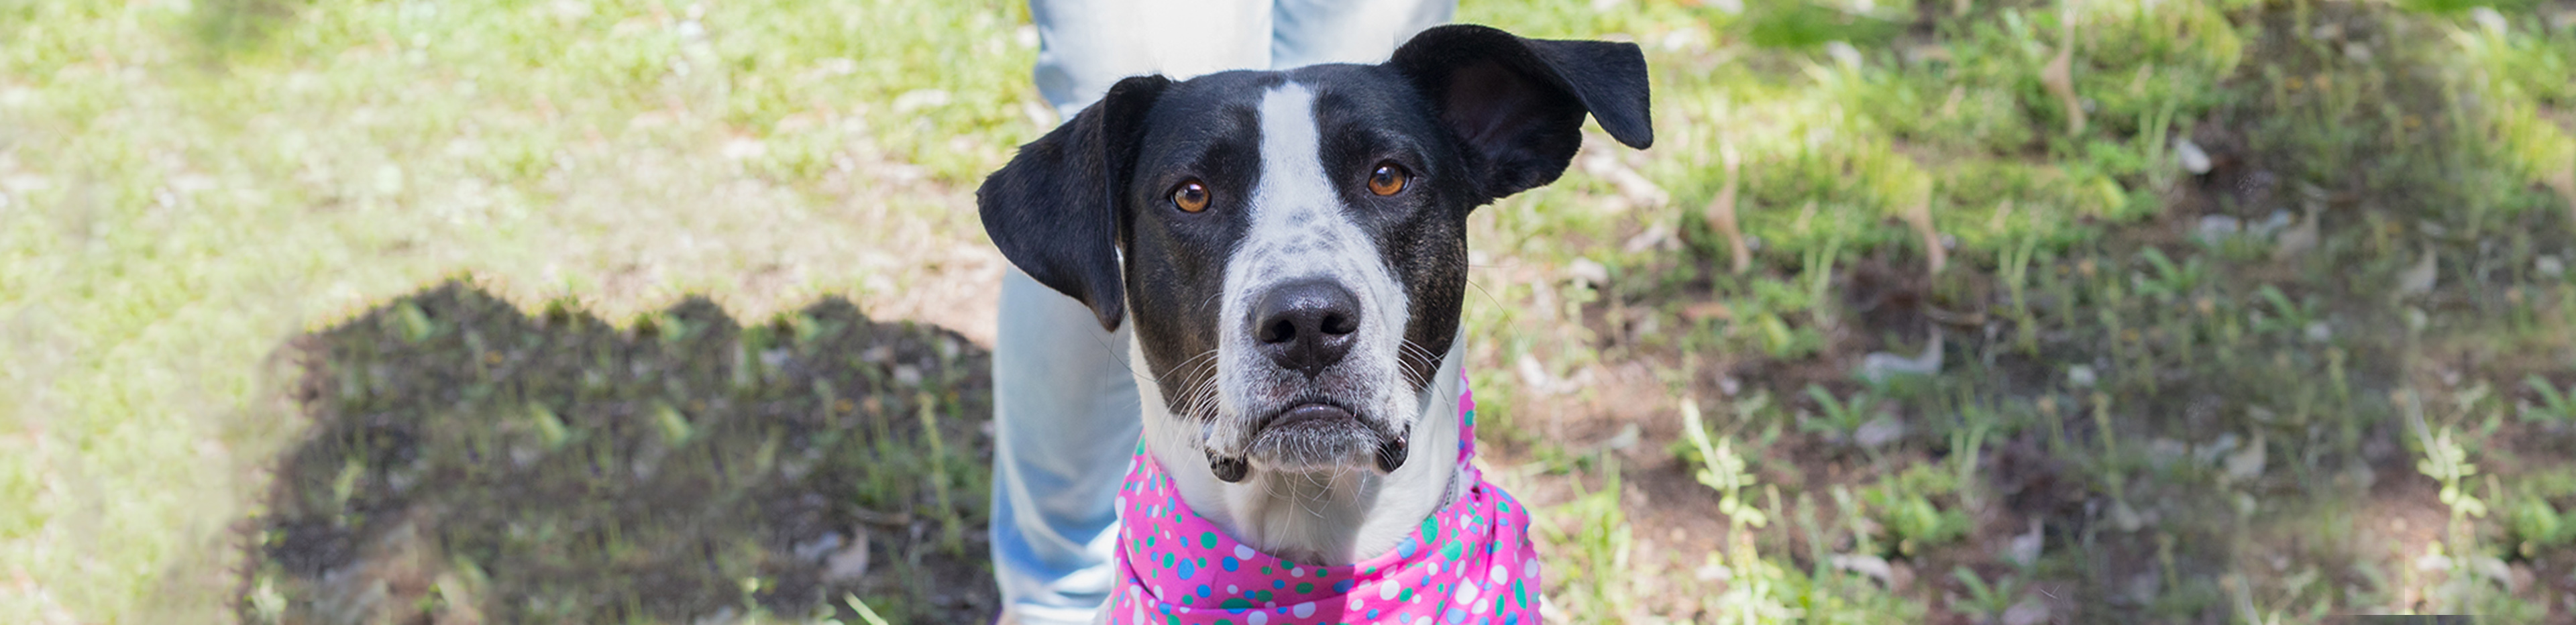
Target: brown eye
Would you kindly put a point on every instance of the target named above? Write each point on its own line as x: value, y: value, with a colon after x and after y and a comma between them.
x: 1388, y: 179
x: 1190, y: 197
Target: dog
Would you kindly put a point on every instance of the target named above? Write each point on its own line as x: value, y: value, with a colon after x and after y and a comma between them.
x: 1291, y: 249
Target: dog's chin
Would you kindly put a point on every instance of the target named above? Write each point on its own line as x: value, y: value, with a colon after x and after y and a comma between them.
x: 1316, y: 438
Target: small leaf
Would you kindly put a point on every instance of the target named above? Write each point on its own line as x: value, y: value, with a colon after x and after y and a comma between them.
x: 415, y: 324
x: 674, y: 427
x: 550, y: 429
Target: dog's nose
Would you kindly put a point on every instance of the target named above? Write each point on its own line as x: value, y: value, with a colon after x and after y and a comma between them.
x: 1306, y: 325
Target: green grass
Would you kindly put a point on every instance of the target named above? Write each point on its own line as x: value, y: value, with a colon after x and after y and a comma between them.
x: 188, y: 186
x: 2256, y: 434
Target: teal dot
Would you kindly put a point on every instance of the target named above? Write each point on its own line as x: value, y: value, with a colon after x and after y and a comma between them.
x: 1430, y: 529
x: 1235, y: 603
x: 1207, y: 540
x: 1451, y: 549
x: 1305, y: 587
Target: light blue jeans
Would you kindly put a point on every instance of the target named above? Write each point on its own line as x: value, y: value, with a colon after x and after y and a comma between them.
x: 1064, y: 406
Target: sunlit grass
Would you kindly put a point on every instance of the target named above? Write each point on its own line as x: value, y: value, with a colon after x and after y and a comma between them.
x: 188, y: 185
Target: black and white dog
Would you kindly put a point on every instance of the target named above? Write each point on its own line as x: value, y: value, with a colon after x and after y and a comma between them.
x: 1291, y: 247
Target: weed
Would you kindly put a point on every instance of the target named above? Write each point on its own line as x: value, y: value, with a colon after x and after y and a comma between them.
x: 2445, y: 460
x: 1985, y: 601
x: 1721, y: 469
x: 2555, y: 405
x: 1595, y: 540
x: 1904, y: 506
x: 1842, y: 417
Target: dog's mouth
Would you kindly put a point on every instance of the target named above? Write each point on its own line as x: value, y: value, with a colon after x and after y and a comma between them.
x: 1312, y: 414
x: 1315, y: 435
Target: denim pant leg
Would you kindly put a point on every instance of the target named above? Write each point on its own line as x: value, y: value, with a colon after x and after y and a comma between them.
x: 1065, y: 416
x: 1084, y: 46
x: 1307, y: 32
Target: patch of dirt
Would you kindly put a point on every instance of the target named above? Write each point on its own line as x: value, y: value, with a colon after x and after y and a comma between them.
x: 470, y: 463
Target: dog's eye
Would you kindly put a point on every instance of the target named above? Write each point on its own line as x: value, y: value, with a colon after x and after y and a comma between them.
x: 1190, y: 196
x: 1388, y: 179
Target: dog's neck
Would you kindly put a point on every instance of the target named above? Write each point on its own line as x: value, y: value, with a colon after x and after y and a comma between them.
x: 1323, y: 518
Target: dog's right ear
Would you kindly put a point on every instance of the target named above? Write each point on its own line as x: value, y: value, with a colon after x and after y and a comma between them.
x: 1517, y: 105
x: 1054, y: 209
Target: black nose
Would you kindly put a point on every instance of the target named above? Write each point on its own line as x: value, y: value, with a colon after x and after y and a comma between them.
x: 1306, y: 325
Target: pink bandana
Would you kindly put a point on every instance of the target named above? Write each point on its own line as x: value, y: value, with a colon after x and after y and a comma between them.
x: 1472, y: 561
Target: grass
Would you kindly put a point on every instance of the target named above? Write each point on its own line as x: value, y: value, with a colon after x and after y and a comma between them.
x: 192, y: 184
x: 469, y: 461
x: 2142, y: 413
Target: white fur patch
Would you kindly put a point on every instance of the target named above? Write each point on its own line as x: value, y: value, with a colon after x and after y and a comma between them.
x: 1299, y: 229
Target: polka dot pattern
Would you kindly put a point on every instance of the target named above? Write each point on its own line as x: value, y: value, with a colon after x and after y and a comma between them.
x: 1470, y: 562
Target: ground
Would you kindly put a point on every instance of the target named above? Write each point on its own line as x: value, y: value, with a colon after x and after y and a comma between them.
x: 1960, y: 311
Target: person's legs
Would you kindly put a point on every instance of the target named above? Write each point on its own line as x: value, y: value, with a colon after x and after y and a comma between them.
x: 1087, y: 45
x: 1307, y: 32
x: 1065, y: 416
x: 1065, y: 408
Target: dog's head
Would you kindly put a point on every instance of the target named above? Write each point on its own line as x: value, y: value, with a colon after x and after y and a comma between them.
x: 1294, y: 243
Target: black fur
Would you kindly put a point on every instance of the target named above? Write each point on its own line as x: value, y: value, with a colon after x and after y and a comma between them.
x: 1053, y: 210
x: 1517, y: 105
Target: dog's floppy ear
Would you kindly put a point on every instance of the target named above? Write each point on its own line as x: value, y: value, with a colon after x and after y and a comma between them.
x: 1517, y: 105
x: 1054, y: 209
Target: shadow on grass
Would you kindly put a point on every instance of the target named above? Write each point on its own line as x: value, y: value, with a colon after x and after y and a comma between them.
x: 469, y: 463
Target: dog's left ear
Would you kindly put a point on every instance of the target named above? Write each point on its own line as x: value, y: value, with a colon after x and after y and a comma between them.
x: 1517, y: 105
x: 1054, y: 210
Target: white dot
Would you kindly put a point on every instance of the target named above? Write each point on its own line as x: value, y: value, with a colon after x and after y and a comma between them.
x: 1388, y: 589
x: 1303, y: 610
